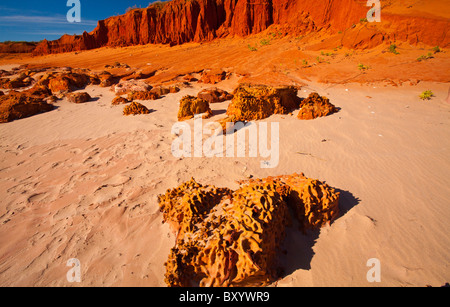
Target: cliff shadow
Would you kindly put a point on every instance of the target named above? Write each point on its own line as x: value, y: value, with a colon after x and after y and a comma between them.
x: 297, y: 249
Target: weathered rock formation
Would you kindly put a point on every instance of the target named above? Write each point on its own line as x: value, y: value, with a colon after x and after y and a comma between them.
x: 187, y: 205
x: 213, y: 76
x: 135, y: 108
x: 315, y: 106
x: 227, y: 238
x: 255, y: 102
x: 17, y: 105
x: 22, y: 80
x: 164, y: 90
x: 60, y: 83
x: 214, y: 94
x: 144, y: 95
x: 190, y: 106
x: 80, y: 97
x: 119, y: 100
x: 125, y: 87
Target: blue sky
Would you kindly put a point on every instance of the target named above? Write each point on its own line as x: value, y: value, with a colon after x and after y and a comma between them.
x: 34, y: 20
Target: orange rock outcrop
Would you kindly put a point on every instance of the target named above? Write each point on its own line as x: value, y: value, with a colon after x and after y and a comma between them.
x: 213, y: 76
x: 315, y: 106
x: 81, y: 97
x: 65, y: 82
x: 17, y: 105
x: 119, y: 100
x: 135, y: 108
x: 214, y: 94
x: 227, y: 238
x: 255, y: 102
x: 190, y: 106
x: 143, y: 95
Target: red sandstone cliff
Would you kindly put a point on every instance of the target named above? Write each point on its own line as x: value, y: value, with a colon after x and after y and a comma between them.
x: 180, y: 21
x: 17, y: 47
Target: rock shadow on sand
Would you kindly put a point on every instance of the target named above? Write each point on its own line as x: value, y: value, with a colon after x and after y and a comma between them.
x: 297, y: 249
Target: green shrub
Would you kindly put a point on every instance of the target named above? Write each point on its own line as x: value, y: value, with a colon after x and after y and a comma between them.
x: 264, y: 42
x: 437, y: 49
x: 327, y: 53
x: 363, y: 67
x: 426, y: 95
x: 393, y: 49
x: 425, y: 57
x: 251, y: 48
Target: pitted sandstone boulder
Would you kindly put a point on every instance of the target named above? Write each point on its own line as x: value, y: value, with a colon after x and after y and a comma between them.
x: 315, y: 106
x: 190, y: 106
x: 234, y: 241
x: 255, y: 102
x: 135, y: 108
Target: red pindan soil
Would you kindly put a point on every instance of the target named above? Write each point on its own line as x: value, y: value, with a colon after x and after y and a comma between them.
x: 276, y: 41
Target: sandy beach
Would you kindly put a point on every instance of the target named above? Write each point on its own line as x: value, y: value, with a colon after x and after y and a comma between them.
x: 95, y: 189
x: 82, y: 182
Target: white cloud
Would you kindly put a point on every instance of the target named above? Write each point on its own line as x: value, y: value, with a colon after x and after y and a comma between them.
x: 11, y: 20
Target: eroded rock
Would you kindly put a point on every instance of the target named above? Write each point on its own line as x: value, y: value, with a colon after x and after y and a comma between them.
x: 39, y: 91
x: 235, y: 241
x: 255, y: 102
x: 139, y: 75
x: 315, y: 106
x: 144, y: 95
x: 119, y: 100
x: 135, y: 108
x: 190, y: 78
x: 80, y: 97
x: 185, y: 206
x: 17, y: 105
x: 125, y: 87
x: 164, y: 90
x: 65, y: 82
x: 190, y: 106
x: 213, y: 76
x: 106, y: 79
x: 214, y: 95
x: 21, y: 81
